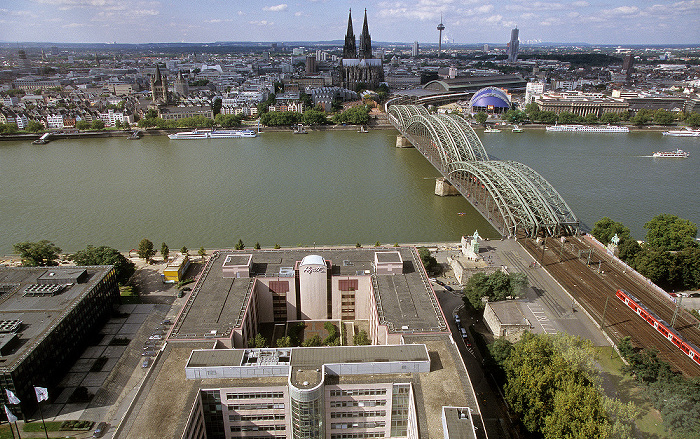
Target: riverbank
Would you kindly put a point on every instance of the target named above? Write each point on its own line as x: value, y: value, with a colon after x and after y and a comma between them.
x: 373, y: 125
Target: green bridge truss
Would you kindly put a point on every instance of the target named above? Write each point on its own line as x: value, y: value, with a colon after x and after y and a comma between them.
x: 514, y: 198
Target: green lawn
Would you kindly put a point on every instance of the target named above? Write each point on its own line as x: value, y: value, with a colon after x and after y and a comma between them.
x: 6, y: 434
x: 626, y: 389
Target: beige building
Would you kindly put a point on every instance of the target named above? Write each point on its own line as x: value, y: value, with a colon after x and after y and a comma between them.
x: 506, y: 319
x: 581, y: 104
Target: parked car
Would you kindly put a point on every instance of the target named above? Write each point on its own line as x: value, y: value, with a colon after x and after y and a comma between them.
x: 146, y: 362
x: 439, y: 282
x: 166, y: 322
x: 148, y: 353
x: 155, y: 337
x: 448, y: 288
x: 457, y: 320
x: 100, y: 430
x: 463, y: 332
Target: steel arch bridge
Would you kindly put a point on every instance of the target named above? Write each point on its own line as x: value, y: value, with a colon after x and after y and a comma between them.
x: 514, y: 198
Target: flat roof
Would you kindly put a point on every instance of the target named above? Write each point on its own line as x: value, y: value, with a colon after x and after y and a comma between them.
x: 163, y: 410
x: 508, y: 312
x: 234, y: 260
x: 39, y: 314
x: 407, y: 302
x: 459, y: 423
x: 389, y: 256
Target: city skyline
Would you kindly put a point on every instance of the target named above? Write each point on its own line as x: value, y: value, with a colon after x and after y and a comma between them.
x: 144, y: 21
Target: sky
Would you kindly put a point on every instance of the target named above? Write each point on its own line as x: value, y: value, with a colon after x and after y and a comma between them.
x: 466, y: 21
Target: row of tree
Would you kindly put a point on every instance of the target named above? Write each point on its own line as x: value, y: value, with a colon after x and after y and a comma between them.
x: 669, y: 256
x: 677, y: 399
x: 552, y: 386
x: 358, y: 115
x: 45, y: 253
x: 642, y: 117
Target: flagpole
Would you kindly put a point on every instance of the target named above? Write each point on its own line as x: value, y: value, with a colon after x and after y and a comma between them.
x: 18, y: 435
x: 42, y: 421
x: 9, y: 424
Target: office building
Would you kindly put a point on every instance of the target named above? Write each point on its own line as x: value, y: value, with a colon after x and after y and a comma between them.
x: 532, y: 90
x: 415, y: 49
x: 47, y: 315
x: 211, y: 383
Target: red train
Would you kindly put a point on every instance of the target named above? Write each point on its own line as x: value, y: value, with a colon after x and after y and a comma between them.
x: 660, y: 325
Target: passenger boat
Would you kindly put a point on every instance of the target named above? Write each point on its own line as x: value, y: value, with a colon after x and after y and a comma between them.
x: 363, y: 129
x: 517, y: 129
x: 300, y: 129
x: 220, y: 134
x: 492, y: 130
x: 589, y: 128
x: 679, y: 153
x: 687, y: 132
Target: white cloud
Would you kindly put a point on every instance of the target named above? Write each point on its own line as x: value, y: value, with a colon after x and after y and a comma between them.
x: 580, y: 4
x: 622, y: 10
x: 74, y: 25
x: 261, y: 23
x: 277, y: 8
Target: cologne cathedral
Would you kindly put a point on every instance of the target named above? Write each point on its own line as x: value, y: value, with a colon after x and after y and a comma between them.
x: 358, y: 68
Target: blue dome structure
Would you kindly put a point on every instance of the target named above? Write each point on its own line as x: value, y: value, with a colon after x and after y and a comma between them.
x: 490, y: 100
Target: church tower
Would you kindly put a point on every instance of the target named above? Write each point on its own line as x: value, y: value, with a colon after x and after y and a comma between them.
x: 365, y: 41
x: 181, y: 86
x: 349, y: 50
x: 159, y: 87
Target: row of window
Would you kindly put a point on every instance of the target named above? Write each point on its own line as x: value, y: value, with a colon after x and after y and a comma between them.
x: 364, y: 403
x: 370, y: 424
x: 252, y: 418
x: 260, y: 406
x: 367, y: 435
x: 357, y: 392
x: 276, y: 427
x: 255, y: 395
x: 358, y: 414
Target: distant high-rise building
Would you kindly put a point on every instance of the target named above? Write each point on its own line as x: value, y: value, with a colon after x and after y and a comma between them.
x: 486, y: 47
x: 513, y: 46
x: 23, y: 61
x: 441, y: 27
x: 414, y: 51
x: 628, y: 65
x: 311, y: 66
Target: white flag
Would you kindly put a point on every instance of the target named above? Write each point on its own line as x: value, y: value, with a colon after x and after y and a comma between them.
x: 11, y: 397
x: 10, y: 416
x: 42, y: 394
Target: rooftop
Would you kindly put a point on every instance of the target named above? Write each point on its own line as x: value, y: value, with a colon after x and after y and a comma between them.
x: 25, y: 299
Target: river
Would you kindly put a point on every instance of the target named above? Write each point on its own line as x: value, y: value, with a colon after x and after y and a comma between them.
x: 323, y: 188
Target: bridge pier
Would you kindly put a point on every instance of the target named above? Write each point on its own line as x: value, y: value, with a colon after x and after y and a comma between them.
x: 403, y: 142
x: 444, y: 188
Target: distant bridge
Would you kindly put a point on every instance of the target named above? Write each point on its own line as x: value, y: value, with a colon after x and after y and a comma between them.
x: 514, y: 198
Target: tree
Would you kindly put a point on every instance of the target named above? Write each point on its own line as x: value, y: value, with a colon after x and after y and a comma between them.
x: 628, y: 249
x: 568, y: 117
x: 97, y: 124
x: 104, y: 255
x: 239, y: 245
x: 361, y: 338
x: 693, y: 120
x: 429, y: 262
x: 358, y: 115
x: 164, y: 251
x: 548, y: 117
x: 184, y: 250
x: 532, y: 110
x: 34, y: 126
x: 82, y: 125
x: 663, y: 117
x: 590, y: 119
x: 257, y: 246
x: 654, y: 264
x: 315, y: 340
x: 497, y: 286
x: 669, y: 232
x: 118, y: 125
x: 515, y: 116
x: 202, y: 252
x: 314, y: 117
x: 481, y: 117
x: 642, y: 117
x: 146, y: 250
x: 259, y: 341
x: 284, y: 342
x: 609, y: 118
x: 605, y: 228
x: 38, y: 254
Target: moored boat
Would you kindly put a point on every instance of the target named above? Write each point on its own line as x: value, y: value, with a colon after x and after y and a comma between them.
x: 687, y: 132
x: 589, y: 128
x: 517, y: 129
x: 214, y: 134
x: 492, y: 130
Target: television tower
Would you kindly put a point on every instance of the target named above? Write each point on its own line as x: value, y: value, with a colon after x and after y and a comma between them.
x: 440, y: 27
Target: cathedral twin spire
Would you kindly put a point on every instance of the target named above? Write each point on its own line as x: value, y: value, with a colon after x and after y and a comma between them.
x: 349, y: 50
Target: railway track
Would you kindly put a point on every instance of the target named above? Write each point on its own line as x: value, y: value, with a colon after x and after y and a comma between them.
x: 595, y: 284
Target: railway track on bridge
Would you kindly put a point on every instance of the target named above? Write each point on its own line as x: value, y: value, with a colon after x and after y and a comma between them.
x: 592, y: 289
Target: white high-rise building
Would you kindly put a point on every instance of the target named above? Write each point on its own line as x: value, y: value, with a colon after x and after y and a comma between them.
x: 414, y: 51
x: 532, y: 90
